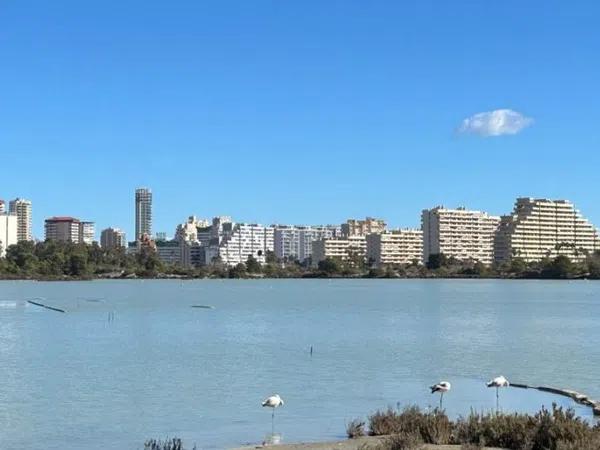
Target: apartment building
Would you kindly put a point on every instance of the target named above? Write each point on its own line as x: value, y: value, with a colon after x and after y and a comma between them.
x: 188, y: 230
x: 22, y: 209
x: 62, y: 228
x: 169, y: 252
x: 113, y: 238
x: 87, y: 232
x: 69, y: 229
x: 403, y: 246
x: 8, y: 232
x: 143, y: 213
x: 296, y: 241
x: 343, y: 249
x: 245, y: 240
x: 540, y: 228
x: 459, y: 233
x: 369, y: 225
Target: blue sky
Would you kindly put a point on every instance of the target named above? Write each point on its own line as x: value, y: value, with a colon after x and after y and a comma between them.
x: 295, y: 112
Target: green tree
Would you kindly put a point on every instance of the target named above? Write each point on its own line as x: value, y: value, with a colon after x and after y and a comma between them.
x: 252, y: 265
x: 330, y: 266
x: 436, y: 261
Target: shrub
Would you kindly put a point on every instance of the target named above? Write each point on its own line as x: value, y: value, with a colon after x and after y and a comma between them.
x: 356, y: 428
x: 167, y: 444
x: 432, y: 427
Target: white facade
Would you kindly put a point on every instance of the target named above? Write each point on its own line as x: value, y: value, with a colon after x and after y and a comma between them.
x: 188, y: 231
x: 87, y: 232
x: 8, y: 232
x: 113, y: 238
x: 402, y: 246
x: 22, y: 209
x: 343, y: 249
x: 540, y: 228
x: 243, y: 241
x: 296, y: 241
x: 459, y: 233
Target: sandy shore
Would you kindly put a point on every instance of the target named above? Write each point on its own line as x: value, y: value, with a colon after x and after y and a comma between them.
x: 346, y: 444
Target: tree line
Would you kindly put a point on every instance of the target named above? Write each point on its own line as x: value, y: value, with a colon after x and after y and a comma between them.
x: 59, y: 260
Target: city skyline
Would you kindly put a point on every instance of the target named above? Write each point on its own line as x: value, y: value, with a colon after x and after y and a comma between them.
x: 298, y: 113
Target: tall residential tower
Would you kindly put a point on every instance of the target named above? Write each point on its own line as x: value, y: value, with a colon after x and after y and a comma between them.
x: 22, y: 209
x: 143, y: 213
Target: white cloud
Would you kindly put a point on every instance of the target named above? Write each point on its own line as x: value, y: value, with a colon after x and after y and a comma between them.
x: 495, y: 123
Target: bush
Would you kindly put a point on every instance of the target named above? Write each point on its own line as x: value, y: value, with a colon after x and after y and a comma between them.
x: 356, y: 428
x: 432, y: 427
x: 167, y: 444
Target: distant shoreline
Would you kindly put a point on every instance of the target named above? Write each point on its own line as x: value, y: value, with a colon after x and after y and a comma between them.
x: 260, y: 277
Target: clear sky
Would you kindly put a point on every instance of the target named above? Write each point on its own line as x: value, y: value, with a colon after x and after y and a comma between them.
x: 297, y: 111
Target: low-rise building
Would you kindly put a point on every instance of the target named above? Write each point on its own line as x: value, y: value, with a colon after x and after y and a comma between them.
x: 540, y: 228
x: 403, y: 246
x: 459, y: 233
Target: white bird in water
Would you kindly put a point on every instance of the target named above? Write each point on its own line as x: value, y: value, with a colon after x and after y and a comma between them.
x: 442, y: 387
x: 274, y: 401
x: 498, y: 382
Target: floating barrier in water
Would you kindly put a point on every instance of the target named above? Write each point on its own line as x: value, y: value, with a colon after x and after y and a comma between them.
x: 52, y: 308
x: 578, y: 397
x: 203, y: 306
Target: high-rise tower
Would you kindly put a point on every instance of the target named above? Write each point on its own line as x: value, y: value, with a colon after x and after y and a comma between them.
x: 22, y: 209
x: 143, y: 213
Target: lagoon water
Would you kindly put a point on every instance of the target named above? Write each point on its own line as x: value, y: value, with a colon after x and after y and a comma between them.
x: 130, y: 360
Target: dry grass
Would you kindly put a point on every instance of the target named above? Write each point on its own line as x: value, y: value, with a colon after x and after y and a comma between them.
x: 355, y: 429
x: 555, y: 429
x: 432, y: 427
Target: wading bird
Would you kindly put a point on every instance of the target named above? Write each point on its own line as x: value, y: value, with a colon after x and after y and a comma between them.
x: 498, y: 382
x: 274, y: 401
x: 442, y: 387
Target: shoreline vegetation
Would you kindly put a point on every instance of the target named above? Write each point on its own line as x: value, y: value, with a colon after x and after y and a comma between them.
x: 412, y: 428
x: 51, y: 260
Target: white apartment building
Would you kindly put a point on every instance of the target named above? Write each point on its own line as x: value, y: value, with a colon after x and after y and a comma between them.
x: 296, y: 241
x: 245, y: 240
x: 540, y: 228
x: 403, y: 246
x: 188, y: 231
x: 339, y: 248
x: 87, y: 232
x: 369, y: 225
x: 22, y: 209
x: 459, y: 233
x: 2, y: 206
x: 8, y: 232
x: 113, y: 238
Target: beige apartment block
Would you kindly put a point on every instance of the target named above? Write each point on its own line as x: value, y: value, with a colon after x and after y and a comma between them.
x: 342, y: 249
x: 459, y: 233
x: 370, y: 225
x: 540, y: 228
x: 402, y: 246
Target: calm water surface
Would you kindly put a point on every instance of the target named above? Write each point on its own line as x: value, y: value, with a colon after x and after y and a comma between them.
x: 161, y: 368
